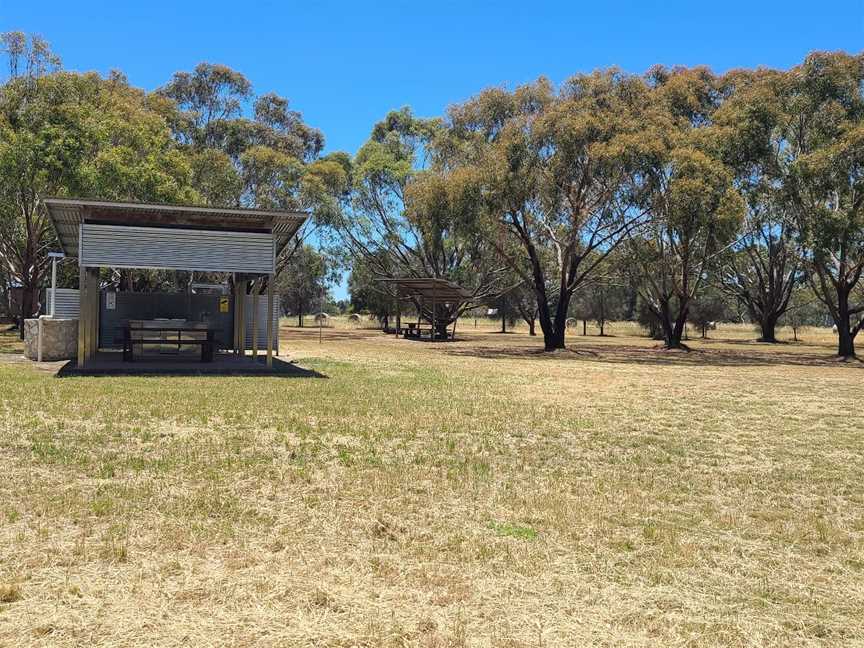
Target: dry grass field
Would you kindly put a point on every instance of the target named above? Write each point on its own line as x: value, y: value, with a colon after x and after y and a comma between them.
x: 476, y: 493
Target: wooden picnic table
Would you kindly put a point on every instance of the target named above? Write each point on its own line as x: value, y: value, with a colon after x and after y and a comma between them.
x: 416, y: 330
x: 129, y: 342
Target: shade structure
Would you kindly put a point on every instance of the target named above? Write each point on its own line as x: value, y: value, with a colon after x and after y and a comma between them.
x: 176, y: 237
x: 438, y: 301
x: 243, y: 242
x: 443, y: 290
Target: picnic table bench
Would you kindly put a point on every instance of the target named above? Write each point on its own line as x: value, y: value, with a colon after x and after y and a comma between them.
x: 417, y: 329
x: 157, y: 333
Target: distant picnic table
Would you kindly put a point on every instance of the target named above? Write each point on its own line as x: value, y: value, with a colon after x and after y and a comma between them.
x: 418, y: 329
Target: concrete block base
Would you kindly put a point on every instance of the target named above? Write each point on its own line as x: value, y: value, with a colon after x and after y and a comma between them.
x: 59, y: 338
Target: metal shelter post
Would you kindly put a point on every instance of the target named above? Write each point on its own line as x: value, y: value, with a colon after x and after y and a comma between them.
x: 238, y: 317
x: 91, y: 334
x: 255, y: 319
x: 270, y: 280
x: 398, y: 310
x: 433, y: 312
x: 242, y: 315
x: 82, y: 316
x: 53, y: 282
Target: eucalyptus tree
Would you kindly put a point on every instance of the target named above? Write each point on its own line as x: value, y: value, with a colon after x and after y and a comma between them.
x: 368, y: 296
x: 253, y: 151
x: 542, y: 175
x: 804, y: 310
x: 524, y: 301
x: 695, y: 212
x: 822, y: 128
x: 28, y: 56
x: 710, y: 307
x: 304, y: 287
x: 402, y: 221
x: 762, y: 268
x: 63, y: 133
x: 604, y: 296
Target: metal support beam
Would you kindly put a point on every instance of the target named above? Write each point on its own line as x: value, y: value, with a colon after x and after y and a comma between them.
x: 93, y: 347
x: 82, y: 316
x: 255, y: 289
x: 53, y: 284
x: 237, y: 325
x: 241, y: 305
x: 270, y: 280
x: 433, y: 312
x: 398, y: 311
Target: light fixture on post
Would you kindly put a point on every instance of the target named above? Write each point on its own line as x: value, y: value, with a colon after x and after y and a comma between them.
x: 54, y: 258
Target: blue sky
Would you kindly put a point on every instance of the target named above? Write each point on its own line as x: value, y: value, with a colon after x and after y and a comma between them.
x: 345, y: 64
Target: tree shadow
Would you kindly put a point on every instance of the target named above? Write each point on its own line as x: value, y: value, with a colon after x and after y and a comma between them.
x: 332, y: 334
x: 658, y: 356
x: 238, y: 368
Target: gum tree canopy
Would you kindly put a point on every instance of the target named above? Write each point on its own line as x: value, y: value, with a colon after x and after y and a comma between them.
x: 268, y: 158
x: 687, y: 191
x: 399, y: 224
x: 73, y: 134
x: 822, y: 159
x: 540, y: 175
x: 762, y: 268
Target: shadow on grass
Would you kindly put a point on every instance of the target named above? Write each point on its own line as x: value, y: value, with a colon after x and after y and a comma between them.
x: 289, y: 333
x: 158, y: 367
x: 659, y: 356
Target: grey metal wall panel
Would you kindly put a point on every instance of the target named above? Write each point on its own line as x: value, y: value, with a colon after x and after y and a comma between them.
x: 149, y: 306
x: 261, y: 322
x: 119, y: 246
x: 67, y: 304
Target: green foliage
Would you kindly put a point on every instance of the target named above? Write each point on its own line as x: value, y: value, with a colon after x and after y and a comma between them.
x: 303, y: 285
x: 368, y: 295
x: 81, y: 135
x: 265, y: 158
x: 821, y: 168
x: 402, y: 221
x: 752, y: 180
x: 686, y: 189
x: 710, y: 307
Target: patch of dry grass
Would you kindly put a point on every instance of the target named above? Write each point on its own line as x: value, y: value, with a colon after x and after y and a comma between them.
x: 9, y: 341
x: 477, y: 493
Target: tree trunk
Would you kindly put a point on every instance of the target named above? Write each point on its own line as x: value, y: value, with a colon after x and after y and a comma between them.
x: 768, y: 326
x: 554, y: 339
x: 584, y: 328
x: 673, y: 329
x: 554, y: 331
x: 28, y: 305
x: 300, y: 313
x: 602, y: 328
x: 845, y: 342
x: 845, y: 339
x: 531, y: 327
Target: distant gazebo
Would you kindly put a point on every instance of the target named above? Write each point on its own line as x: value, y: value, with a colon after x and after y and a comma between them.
x: 439, y: 304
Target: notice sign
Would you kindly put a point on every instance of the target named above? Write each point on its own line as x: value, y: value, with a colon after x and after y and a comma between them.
x: 110, y: 301
x: 223, y: 304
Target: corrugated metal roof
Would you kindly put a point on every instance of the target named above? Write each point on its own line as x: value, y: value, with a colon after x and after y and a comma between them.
x: 68, y: 213
x: 429, y: 287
